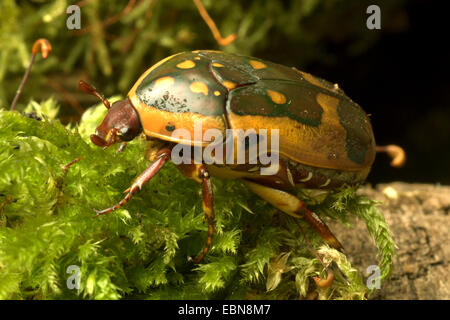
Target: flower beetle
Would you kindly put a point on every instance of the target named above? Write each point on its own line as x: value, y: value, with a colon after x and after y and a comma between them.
x: 325, y: 139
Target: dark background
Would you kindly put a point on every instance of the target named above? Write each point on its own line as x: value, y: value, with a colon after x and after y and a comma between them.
x: 403, y: 82
x: 398, y: 74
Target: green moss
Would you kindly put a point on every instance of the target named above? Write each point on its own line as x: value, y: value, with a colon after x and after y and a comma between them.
x: 141, y: 251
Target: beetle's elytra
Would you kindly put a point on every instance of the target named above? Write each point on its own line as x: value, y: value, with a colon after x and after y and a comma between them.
x: 325, y: 139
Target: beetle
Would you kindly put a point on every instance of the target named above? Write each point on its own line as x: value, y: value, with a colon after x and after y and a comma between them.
x: 325, y: 139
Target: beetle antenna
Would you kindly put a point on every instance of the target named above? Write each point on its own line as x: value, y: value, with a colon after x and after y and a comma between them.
x: 41, y: 45
x: 397, y: 154
x: 71, y: 163
x: 92, y: 91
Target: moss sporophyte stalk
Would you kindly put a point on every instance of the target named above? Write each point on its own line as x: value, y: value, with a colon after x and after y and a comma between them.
x: 141, y: 250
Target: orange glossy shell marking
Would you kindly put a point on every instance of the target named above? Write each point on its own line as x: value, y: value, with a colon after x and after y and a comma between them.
x: 217, y: 93
x: 313, y: 80
x: 306, y: 144
x: 132, y: 92
x: 298, y: 145
x: 276, y: 96
x: 217, y: 65
x: 329, y: 104
x: 199, y: 87
x: 229, y: 84
x: 154, y: 122
x: 257, y: 64
x: 164, y: 82
x: 290, y: 141
x: 331, y: 131
x: 330, y: 120
x: 198, y: 51
x: 187, y: 64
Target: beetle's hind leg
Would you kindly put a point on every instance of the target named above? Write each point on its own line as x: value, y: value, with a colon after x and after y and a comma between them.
x: 291, y: 205
x: 200, y: 174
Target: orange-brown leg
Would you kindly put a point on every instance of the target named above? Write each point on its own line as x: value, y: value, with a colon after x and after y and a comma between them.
x: 199, y: 173
x: 291, y: 205
x: 122, y: 147
x: 144, y: 177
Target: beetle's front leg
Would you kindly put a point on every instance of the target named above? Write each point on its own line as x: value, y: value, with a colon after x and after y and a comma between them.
x: 121, y: 147
x: 162, y: 157
x: 199, y: 173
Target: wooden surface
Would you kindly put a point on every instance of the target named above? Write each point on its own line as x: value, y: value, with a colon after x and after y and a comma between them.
x: 418, y: 215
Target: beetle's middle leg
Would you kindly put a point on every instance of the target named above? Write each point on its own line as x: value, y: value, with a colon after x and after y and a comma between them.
x: 199, y: 173
x: 291, y: 205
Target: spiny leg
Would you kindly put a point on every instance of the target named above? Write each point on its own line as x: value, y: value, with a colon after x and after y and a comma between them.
x: 122, y: 147
x: 322, y: 283
x: 208, y: 209
x: 291, y: 205
x: 199, y: 173
x: 144, y: 177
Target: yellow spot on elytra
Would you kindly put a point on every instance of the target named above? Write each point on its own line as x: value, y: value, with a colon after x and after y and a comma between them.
x: 216, y: 93
x: 313, y: 80
x: 217, y: 65
x: 229, y: 84
x: 328, y: 103
x: 188, y: 64
x: 197, y: 58
x: 257, y: 64
x: 199, y: 87
x: 164, y: 82
x: 276, y: 96
x: 132, y: 92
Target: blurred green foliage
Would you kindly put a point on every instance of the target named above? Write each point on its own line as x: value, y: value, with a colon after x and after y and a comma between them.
x: 119, y: 40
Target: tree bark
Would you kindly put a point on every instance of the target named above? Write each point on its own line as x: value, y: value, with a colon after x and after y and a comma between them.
x: 418, y: 215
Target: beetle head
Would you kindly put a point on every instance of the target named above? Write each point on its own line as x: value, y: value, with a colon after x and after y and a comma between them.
x: 121, y: 123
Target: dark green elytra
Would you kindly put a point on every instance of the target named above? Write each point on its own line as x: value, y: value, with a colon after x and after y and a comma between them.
x: 357, y: 126
x: 240, y: 85
x: 306, y: 109
x: 236, y: 69
x: 179, y: 98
